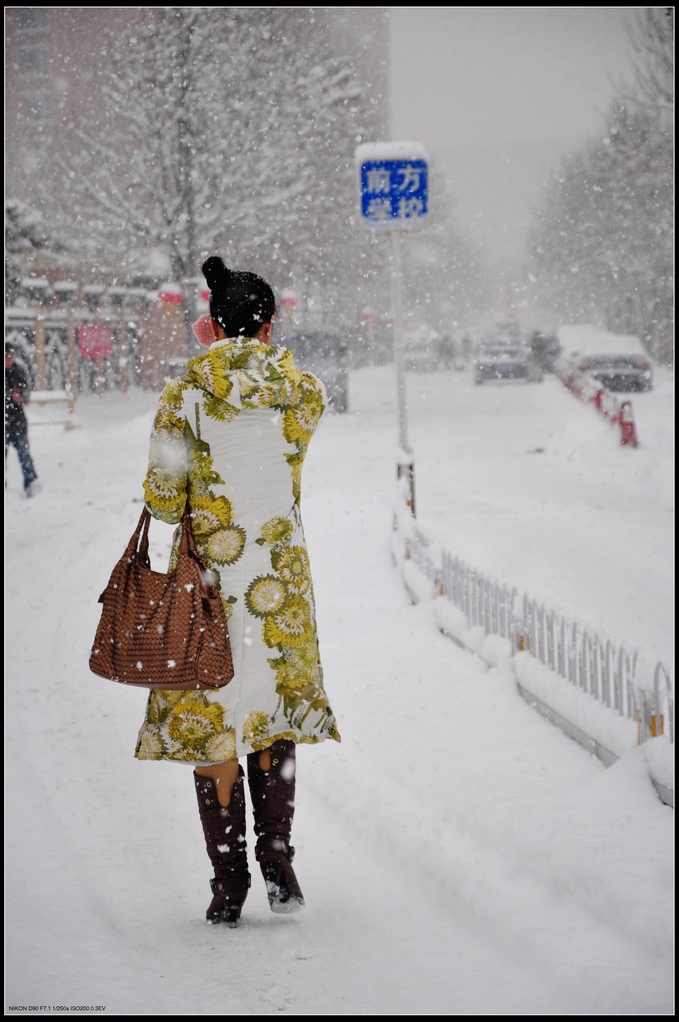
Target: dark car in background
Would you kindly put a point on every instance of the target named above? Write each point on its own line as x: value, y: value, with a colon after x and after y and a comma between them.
x: 325, y: 354
x: 505, y: 359
x: 618, y: 372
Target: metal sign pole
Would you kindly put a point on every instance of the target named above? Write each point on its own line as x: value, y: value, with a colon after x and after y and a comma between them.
x: 394, y: 197
x: 406, y: 462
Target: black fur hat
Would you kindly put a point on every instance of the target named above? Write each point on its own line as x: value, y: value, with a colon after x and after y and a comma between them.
x: 241, y: 302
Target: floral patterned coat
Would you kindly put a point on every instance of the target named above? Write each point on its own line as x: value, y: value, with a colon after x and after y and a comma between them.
x: 231, y: 435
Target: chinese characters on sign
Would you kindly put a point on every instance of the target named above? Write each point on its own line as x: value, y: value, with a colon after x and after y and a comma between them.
x: 394, y: 193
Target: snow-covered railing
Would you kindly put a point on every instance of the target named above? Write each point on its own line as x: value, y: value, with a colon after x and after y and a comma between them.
x: 592, y: 664
x: 618, y: 413
x: 484, y: 602
x: 500, y: 623
x: 46, y: 347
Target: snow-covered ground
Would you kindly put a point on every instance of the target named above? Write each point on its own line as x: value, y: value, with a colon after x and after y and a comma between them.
x: 458, y: 854
x: 534, y: 487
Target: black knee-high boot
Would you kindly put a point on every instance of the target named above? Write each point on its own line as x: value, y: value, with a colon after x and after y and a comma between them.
x: 273, y: 806
x: 224, y: 830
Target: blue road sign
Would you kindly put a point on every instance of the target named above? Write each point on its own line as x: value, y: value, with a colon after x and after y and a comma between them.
x: 394, y: 193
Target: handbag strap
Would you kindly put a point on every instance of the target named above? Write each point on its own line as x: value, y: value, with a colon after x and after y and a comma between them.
x: 139, y: 541
x: 187, y: 544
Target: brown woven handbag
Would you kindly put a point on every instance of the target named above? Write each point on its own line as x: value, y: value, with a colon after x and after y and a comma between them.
x: 157, y: 630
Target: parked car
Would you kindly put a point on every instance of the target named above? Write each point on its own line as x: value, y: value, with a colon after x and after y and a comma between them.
x: 325, y: 354
x: 505, y: 359
x: 618, y: 372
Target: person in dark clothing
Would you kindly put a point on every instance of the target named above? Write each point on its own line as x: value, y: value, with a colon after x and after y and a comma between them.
x: 17, y: 394
x: 447, y: 351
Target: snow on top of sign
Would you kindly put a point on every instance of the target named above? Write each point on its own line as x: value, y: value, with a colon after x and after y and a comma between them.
x: 390, y: 151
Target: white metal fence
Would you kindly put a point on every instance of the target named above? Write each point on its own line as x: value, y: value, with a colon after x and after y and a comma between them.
x: 594, y: 664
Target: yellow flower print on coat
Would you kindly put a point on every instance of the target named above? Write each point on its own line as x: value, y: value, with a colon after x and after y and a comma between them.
x: 256, y: 729
x: 160, y: 492
x: 167, y: 419
x: 218, y: 408
x: 247, y: 385
x: 288, y: 367
x: 194, y: 722
x: 277, y: 530
x: 295, y: 462
x: 265, y: 595
x: 268, y: 396
x: 186, y: 727
x: 173, y: 396
x: 201, y: 469
x: 298, y: 670
x: 299, y: 424
x: 291, y: 625
x: 292, y: 564
x: 222, y: 746
x: 225, y: 546
x: 162, y: 703
x: 151, y: 745
x: 208, y: 370
x: 208, y: 514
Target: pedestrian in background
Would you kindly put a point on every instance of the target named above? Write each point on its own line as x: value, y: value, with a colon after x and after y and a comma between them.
x: 230, y: 438
x: 17, y: 395
x: 447, y: 351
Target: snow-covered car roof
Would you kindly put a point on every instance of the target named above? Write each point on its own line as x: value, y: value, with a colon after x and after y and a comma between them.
x: 582, y: 341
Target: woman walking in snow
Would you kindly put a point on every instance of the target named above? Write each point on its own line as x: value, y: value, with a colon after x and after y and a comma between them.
x: 230, y: 437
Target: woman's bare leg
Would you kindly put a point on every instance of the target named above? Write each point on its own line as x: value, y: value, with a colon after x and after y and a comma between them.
x: 224, y: 775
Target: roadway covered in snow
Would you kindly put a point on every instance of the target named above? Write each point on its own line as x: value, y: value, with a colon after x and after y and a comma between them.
x: 458, y: 854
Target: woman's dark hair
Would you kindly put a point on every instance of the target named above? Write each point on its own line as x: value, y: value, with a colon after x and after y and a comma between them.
x: 240, y: 302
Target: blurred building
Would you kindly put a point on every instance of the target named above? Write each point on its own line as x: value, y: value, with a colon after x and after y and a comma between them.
x: 53, y: 79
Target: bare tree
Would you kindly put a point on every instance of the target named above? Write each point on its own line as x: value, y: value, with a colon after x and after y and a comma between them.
x: 602, y: 241
x: 651, y: 34
x: 228, y: 129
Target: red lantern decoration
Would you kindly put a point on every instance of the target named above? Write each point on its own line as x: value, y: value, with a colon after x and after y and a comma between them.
x: 171, y: 295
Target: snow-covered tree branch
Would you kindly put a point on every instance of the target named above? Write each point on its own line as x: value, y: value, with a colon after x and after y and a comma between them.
x: 223, y: 129
x: 602, y: 242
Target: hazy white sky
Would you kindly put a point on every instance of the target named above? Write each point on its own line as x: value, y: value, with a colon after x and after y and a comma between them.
x: 466, y: 75
x: 499, y: 94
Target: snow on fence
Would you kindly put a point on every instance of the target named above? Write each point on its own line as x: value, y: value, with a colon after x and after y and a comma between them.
x: 618, y: 413
x: 607, y: 697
